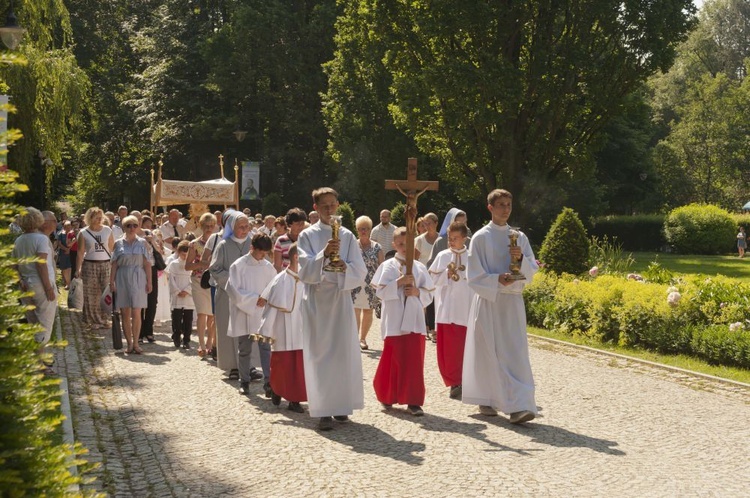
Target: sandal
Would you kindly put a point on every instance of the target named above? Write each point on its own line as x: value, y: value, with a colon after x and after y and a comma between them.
x: 137, y: 350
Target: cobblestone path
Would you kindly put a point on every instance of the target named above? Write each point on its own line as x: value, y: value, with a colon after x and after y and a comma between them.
x: 167, y: 423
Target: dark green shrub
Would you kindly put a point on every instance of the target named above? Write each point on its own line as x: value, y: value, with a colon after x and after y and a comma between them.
x: 642, y: 232
x: 273, y: 204
x: 397, y: 214
x: 347, y: 216
x: 700, y: 229
x: 566, y: 247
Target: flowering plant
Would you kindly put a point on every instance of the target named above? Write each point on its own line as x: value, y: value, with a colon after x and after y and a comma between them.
x: 735, y: 327
x: 594, y: 271
x: 674, y: 298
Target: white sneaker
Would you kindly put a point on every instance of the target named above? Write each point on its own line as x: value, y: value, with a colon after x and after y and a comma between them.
x: 488, y: 411
x: 521, y: 417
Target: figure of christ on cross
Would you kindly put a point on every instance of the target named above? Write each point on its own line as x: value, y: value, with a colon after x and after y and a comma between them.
x: 411, y: 188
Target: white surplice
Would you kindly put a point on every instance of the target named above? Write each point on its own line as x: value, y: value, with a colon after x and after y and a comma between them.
x: 497, y: 370
x: 248, y: 277
x: 282, y: 316
x: 332, y: 358
x: 401, y: 317
x: 452, y: 297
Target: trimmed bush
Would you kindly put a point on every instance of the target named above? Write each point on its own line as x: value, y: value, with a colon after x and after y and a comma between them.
x: 643, y: 232
x: 700, y: 229
x: 347, y: 216
x: 709, y: 318
x: 566, y: 247
x: 397, y: 214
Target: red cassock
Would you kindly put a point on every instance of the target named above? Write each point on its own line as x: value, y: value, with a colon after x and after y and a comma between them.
x: 400, y: 375
x: 288, y: 375
x: 451, y: 339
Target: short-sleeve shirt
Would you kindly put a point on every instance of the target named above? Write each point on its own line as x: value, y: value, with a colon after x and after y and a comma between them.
x: 29, y: 245
x: 124, y: 248
x: 283, y: 244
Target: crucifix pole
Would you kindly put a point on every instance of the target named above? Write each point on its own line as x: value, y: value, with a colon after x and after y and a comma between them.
x: 411, y: 188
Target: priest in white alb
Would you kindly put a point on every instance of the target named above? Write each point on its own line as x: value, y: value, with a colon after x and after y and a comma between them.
x: 333, y: 363
x: 497, y: 371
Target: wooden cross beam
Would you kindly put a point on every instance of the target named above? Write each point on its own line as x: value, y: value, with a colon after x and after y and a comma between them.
x: 411, y: 188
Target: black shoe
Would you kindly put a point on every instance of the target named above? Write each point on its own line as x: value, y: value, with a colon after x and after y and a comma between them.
x: 234, y: 374
x: 245, y: 388
x: 255, y: 375
x: 267, y: 389
x: 185, y: 345
x: 415, y: 410
x: 176, y: 341
x: 276, y: 399
x: 342, y: 418
x: 386, y: 406
x: 456, y: 392
x: 150, y: 339
x: 213, y: 354
x: 325, y: 424
x: 295, y: 407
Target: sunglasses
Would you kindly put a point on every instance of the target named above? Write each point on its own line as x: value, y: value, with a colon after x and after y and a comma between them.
x: 131, y: 225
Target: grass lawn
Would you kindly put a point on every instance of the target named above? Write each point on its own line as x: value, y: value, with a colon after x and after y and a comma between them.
x: 730, y: 266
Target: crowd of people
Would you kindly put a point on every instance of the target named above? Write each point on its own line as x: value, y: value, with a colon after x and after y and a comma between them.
x: 305, y: 297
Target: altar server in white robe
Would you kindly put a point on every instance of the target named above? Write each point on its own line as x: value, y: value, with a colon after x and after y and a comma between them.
x: 282, y: 322
x: 453, y: 299
x: 248, y: 277
x: 333, y: 363
x: 497, y: 371
x: 399, y: 378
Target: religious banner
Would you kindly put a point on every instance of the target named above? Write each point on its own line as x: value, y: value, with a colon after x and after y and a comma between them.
x: 250, y: 180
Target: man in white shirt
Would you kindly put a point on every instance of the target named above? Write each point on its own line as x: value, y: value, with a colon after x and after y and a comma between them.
x: 172, y: 228
x: 383, y: 233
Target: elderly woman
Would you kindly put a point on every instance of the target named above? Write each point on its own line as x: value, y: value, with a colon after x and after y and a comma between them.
x: 95, y: 243
x: 234, y: 243
x: 37, y: 277
x: 201, y: 296
x: 130, y: 280
x: 365, y: 299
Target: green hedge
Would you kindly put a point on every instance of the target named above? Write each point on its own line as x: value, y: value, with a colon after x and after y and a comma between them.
x: 635, y: 233
x: 33, y: 461
x: 710, y: 320
x: 700, y: 229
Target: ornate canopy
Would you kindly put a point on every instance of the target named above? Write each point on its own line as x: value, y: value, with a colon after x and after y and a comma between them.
x: 172, y: 192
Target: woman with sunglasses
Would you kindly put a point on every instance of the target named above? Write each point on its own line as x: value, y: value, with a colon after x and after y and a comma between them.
x: 130, y: 280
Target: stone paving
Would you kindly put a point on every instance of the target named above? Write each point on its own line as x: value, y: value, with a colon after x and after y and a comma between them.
x: 167, y: 423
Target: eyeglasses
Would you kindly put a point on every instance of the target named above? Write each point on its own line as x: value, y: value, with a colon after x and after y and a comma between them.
x: 131, y: 225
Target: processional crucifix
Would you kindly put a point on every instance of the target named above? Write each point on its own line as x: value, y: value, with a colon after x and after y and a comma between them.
x: 411, y: 188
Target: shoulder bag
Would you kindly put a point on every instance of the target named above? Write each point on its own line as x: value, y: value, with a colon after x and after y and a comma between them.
x: 206, y: 276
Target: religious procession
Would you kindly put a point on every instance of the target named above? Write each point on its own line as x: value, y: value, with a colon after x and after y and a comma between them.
x: 303, y: 289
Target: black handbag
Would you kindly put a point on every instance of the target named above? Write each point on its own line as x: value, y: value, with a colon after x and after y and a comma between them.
x: 116, y: 326
x: 206, y: 280
x: 159, y: 263
x: 206, y: 276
